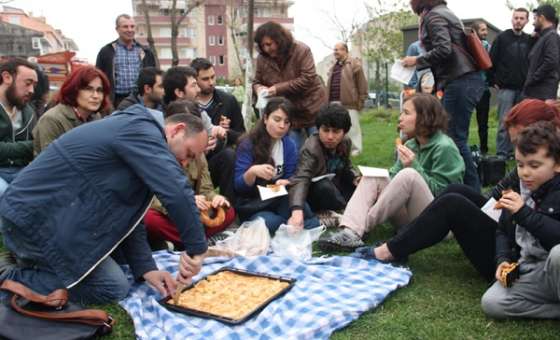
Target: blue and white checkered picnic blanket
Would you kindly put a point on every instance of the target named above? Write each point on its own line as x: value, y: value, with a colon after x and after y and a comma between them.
x: 329, y: 294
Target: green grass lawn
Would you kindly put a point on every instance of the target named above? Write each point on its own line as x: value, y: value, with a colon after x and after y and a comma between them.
x: 443, y: 299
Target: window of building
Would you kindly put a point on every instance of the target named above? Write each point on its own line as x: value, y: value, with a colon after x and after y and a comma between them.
x: 187, y: 53
x: 220, y: 40
x: 15, y: 19
x: 188, y: 32
x: 221, y: 60
x: 212, y: 59
x: 165, y: 53
x: 212, y: 40
x: 36, y: 43
x: 210, y: 20
x: 220, y: 20
x: 164, y: 32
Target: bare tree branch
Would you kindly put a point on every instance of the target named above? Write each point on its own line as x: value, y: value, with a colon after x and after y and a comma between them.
x: 176, y: 23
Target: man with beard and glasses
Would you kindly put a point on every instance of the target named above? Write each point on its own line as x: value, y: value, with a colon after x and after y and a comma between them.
x: 17, y: 80
x: 224, y: 111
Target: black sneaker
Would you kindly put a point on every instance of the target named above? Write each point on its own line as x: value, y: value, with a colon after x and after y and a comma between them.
x: 342, y: 240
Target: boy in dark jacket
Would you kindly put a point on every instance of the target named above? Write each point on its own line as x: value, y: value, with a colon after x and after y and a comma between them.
x: 529, y: 231
x: 326, y: 153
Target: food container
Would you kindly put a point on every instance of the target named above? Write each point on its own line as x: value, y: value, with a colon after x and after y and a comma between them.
x: 167, y: 302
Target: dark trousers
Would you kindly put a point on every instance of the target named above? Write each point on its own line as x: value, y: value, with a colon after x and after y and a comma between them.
x: 325, y: 195
x: 460, y: 96
x: 457, y: 210
x: 221, y: 166
x: 482, y: 109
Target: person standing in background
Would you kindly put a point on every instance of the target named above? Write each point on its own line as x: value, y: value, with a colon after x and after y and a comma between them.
x: 285, y: 67
x: 509, y: 54
x: 544, y: 57
x: 348, y: 85
x: 442, y: 35
x: 122, y: 59
x: 483, y: 106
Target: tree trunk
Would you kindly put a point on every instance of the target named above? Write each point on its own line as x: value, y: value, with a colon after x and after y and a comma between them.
x: 176, y: 23
x: 174, y: 34
x: 151, y: 41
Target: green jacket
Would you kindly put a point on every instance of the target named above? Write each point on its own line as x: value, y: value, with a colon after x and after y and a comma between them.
x: 439, y: 162
x: 16, y: 148
x: 55, y: 122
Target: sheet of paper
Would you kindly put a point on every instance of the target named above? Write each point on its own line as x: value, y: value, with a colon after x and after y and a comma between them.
x: 400, y: 73
x: 373, y: 172
x: 489, y: 210
x: 318, y: 178
x: 267, y: 193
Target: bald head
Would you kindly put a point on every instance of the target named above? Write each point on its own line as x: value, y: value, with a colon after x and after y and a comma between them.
x: 340, y: 51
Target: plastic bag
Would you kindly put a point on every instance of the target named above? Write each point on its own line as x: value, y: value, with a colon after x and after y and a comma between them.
x: 296, y: 245
x: 262, y: 100
x: 251, y: 239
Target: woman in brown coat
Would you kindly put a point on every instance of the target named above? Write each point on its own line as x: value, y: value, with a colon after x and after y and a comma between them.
x: 285, y: 67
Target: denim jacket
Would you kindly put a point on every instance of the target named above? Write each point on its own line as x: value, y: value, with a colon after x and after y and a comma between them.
x: 87, y: 193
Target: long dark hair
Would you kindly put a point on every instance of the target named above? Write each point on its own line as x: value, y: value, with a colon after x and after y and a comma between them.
x: 259, y: 137
x: 418, y: 6
x: 278, y: 34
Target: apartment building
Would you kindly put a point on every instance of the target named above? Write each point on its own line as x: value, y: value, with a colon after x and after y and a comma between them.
x: 215, y: 30
x: 23, y: 34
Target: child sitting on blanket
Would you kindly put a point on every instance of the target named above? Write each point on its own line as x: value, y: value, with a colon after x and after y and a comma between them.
x: 324, y: 153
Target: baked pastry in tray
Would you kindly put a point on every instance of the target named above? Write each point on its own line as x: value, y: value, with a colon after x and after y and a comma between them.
x: 230, y: 295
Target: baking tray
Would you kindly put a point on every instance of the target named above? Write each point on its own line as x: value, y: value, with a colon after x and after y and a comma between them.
x: 193, y: 312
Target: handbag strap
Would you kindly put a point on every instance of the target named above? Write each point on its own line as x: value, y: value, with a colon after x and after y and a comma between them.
x: 58, y: 298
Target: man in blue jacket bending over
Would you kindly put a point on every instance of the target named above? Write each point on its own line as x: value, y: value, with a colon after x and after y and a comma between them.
x: 86, y: 195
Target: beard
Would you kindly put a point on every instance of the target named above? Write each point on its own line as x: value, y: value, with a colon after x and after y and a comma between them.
x: 13, y: 99
x: 207, y: 91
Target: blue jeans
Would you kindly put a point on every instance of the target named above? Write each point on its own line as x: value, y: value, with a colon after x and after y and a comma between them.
x: 459, y: 100
x: 273, y: 219
x: 506, y: 100
x: 105, y: 284
x: 299, y: 135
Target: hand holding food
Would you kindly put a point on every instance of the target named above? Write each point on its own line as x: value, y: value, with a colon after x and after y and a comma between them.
x: 212, y: 217
x: 507, y: 273
x: 498, y: 204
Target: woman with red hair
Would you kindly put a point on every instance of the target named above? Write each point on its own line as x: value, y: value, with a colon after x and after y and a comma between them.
x: 82, y: 96
x: 458, y: 209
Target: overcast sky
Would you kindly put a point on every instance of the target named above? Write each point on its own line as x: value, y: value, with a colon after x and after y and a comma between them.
x: 91, y: 23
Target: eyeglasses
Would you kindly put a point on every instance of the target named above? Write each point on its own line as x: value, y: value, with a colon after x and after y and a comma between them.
x: 91, y: 89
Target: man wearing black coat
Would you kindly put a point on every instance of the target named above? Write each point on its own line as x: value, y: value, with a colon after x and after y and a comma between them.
x: 122, y: 59
x: 510, y: 61
x: 544, y: 59
x: 223, y: 109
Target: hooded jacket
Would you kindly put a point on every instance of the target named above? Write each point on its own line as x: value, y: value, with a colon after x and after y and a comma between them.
x: 16, y: 147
